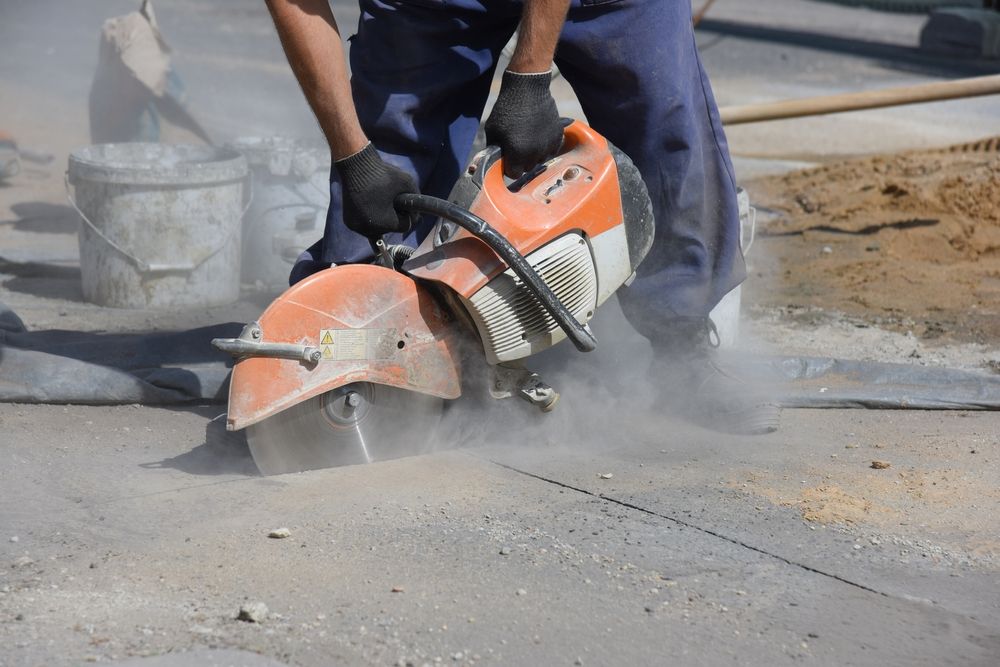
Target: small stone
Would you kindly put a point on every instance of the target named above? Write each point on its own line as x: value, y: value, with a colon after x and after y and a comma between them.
x: 605, y: 475
x: 397, y: 589
x: 19, y: 617
x: 15, y: 539
x: 504, y: 551
x: 280, y: 533
x: 457, y: 656
x: 880, y: 465
x: 851, y: 445
x: 521, y: 591
x: 23, y: 561
x: 252, y: 612
x: 827, y: 250
x: 857, y: 546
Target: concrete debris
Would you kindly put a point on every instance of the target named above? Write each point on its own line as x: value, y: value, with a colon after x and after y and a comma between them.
x: 280, y: 533
x: 252, y: 612
x: 504, y: 551
x: 880, y: 465
x: 605, y: 475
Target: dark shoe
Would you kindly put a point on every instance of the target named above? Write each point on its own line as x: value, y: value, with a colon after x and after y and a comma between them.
x: 699, y: 389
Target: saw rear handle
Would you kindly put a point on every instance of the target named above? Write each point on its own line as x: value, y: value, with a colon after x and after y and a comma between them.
x: 580, y: 334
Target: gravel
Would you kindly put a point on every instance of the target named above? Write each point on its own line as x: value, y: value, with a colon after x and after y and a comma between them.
x: 252, y: 612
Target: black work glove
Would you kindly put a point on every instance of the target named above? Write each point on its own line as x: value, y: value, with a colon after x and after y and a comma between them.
x: 370, y: 186
x: 524, y: 122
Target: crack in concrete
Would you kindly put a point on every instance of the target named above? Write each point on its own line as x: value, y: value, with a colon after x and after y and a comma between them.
x: 701, y: 529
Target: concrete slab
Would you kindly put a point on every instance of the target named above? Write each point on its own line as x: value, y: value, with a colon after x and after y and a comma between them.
x: 128, y: 545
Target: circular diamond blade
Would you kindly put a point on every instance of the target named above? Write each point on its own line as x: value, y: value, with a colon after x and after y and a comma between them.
x: 357, y: 423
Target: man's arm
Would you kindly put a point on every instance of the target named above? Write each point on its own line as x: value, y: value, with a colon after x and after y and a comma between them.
x: 311, y: 39
x: 538, y: 34
x: 524, y: 122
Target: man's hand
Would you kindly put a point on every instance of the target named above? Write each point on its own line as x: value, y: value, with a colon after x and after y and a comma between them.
x: 370, y: 186
x: 524, y: 122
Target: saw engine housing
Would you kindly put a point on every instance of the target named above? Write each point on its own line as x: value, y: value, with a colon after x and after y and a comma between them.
x: 332, y: 363
x: 582, y: 220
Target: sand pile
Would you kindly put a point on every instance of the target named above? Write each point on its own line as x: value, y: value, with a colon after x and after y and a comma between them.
x: 910, y: 238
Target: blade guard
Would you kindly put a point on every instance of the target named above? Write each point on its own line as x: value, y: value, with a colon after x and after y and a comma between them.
x: 370, y: 324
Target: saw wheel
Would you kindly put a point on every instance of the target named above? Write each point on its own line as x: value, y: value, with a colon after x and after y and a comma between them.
x: 358, y: 423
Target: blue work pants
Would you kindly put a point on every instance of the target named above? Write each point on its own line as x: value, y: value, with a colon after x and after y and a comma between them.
x: 421, y: 75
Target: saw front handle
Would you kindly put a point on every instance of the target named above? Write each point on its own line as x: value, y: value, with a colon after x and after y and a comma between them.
x: 580, y: 334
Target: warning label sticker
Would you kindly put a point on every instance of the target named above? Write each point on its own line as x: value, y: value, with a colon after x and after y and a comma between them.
x: 346, y: 344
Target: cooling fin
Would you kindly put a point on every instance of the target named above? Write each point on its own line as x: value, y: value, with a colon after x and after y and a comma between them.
x: 511, y: 321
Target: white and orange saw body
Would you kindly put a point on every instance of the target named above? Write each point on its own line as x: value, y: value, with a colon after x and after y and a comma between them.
x: 355, y: 362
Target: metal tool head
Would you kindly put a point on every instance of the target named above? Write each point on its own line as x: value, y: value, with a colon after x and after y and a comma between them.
x: 360, y: 422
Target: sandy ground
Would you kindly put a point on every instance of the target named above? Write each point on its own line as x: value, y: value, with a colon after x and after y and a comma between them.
x: 142, y: 531
x: 912, y: 236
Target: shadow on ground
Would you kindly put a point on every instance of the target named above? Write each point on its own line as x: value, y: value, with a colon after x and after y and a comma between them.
x: 43, y: 217
x: 223, y: 453
x: 44, y: 279
x: 892, y: 56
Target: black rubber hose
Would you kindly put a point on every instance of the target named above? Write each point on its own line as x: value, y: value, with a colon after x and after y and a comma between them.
x: 581, y: 336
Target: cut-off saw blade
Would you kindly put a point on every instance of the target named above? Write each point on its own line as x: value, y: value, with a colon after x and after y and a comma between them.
x: 357, y: 423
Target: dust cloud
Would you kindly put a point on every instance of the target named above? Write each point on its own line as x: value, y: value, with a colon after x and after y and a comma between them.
x: 605, y: 397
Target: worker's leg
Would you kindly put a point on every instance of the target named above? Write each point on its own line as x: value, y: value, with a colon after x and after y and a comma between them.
x: 421, y: 73
x: 635, y: 68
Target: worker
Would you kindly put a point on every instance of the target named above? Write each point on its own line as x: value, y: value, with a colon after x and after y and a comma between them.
x: 405, y: 120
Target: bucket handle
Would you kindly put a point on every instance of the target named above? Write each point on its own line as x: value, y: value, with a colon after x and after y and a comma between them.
x: 748, y: 236
x: 160, y: 267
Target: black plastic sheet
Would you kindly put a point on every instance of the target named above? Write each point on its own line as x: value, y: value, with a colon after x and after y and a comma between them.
x: 108, y: 368
x: 182, y: 367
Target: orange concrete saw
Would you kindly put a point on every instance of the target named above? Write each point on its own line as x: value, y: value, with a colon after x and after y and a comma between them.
x: 355, y: 363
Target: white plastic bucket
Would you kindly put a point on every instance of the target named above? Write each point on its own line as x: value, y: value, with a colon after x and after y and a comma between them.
x: 726, y: 314
x: 291, y: 186
x: 160, y: 223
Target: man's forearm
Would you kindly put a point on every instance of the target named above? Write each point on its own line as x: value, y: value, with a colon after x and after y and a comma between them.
x: 312, y: 43
x: 538, y: 34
